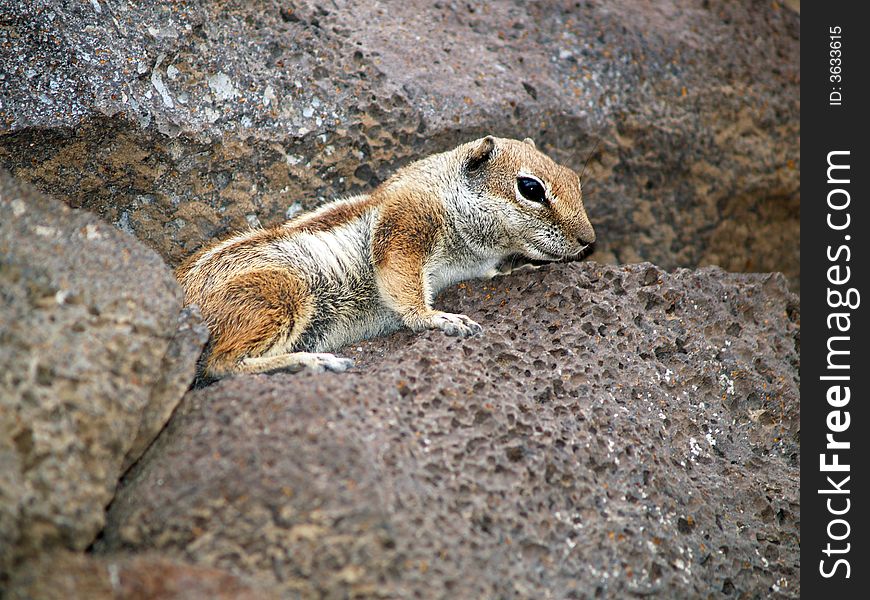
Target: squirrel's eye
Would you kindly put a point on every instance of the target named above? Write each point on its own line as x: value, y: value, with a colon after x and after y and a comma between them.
x: 531, y: 189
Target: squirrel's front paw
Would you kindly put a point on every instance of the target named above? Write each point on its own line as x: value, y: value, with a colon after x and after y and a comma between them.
x: 452, y: 324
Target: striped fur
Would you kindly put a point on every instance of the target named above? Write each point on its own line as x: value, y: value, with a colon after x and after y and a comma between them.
x: 284, y: 297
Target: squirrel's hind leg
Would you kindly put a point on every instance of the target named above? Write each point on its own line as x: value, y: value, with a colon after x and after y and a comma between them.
x: 256, y: 318
x: 295, y: 361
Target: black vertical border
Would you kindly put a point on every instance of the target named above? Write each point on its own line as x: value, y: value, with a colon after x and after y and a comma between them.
x: 827, y: 128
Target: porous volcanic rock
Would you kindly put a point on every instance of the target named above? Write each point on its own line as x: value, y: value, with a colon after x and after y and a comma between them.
x: 182, y: 121
x: 87, y: 318
x: 617, y: 431
x: 64, y: 576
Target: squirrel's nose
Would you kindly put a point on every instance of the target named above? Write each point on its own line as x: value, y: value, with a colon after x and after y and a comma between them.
x: 585, y: 240
x: 587, y: 246
x: 586, y: 235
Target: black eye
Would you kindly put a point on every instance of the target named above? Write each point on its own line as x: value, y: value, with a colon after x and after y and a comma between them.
x: 531, y: 189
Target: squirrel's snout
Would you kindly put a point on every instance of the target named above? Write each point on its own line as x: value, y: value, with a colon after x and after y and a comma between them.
x: 586, y: 242
x: 586, y: 247
x: 586, y: 236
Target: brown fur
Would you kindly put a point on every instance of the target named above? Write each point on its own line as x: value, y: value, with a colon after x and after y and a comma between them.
x: 252, y: 313
x: 258, y: 302
x: 410, y: 225
x: 331, y: 216
x: 248, y: 245
x: 564, y: 184
x: 182, y: 270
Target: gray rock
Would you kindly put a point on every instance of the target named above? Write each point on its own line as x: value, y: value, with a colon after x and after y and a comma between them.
x: 87, y: 314
x: 616, y: 431
x: 12, y: 489
x: 65, y: 575
x: 179, y: 122
x: 177, y: 371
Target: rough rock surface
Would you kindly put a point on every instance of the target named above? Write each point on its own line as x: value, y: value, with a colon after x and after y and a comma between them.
x: 87, y: 314
x: 176, y: 374
x: 182, y: 121
x: 617, y: 432
x: 65, y: 576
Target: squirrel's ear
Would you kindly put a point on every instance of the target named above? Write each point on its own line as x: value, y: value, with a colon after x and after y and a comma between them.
x: 530, y: 142
x: 481, y: 153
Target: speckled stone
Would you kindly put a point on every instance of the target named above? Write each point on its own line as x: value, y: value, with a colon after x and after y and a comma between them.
x: 180, y: 122
x: 177, y: 371
x: 65, y: 576
x: 617, y: 431
x: 91, y: 355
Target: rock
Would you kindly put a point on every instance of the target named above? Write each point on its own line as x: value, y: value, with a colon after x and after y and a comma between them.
x: 64, y: 575
x: 616, y: 431
x: 12, y: 489
x: 87, y: 316
x: 176, y: 374
x: 180, y: 123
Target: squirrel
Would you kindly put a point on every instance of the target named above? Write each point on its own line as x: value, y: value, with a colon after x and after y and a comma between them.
x: 283, y: 298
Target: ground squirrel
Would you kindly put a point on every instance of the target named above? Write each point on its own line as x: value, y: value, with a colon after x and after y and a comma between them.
x: 282, y: 298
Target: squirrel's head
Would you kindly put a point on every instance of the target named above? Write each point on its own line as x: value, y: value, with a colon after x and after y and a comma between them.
x: 540, y: 203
